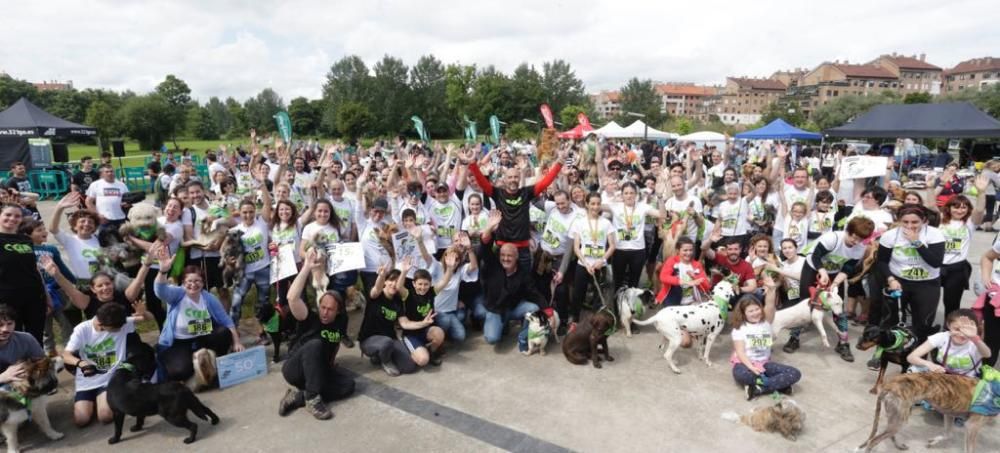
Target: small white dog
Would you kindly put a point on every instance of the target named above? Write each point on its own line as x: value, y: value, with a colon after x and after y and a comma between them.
x: 704, y: 320
x: 632, y: 303
x: 802, y: 313
x: 538, y: 332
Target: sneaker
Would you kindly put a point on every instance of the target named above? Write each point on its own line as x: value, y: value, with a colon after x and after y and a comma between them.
x: 390, y: 369
x: 874, y: 364
x: 786, y: 391
x: 791, y: 346
x: 347, y: 342
x: 844, y: 350
x: 318, y: 409
x: 291, y: 401
x: 436, y: 357
x: 752, y: 391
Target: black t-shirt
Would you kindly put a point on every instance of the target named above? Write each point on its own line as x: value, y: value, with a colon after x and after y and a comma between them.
x: 381, y: 315
x: 516, y: 225
x: 18, y: 183
x: 330, y: 334
x: 83, y: 179
x: 118, y: 298
x: 416, y: 307
x: 18, y: 268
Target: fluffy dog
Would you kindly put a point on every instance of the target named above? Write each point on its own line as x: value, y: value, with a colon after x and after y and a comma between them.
x: 807, y: 311
x: 947, y: 393
x: 129, y: 395
x: 705, y: 321
x: 205, y: 373
x: 784, y: 417
x: 28, y: 395
x: 319, y: 278
x: 892, y: 344
x: 538, y: 332
x: 232, y: 262
x: 141, y: 224
x: 583, y: 342
x: 213, y: 232
x: 632, y: 303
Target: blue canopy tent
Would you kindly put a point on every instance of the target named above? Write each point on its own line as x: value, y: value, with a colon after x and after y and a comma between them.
x: 779, y: 129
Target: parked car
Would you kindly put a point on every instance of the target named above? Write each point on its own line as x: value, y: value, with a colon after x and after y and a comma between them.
x: 860, y: 147
x: 913, y: 156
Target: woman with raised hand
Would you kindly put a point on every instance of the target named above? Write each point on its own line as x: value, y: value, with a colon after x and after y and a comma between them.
x: 959, y: 219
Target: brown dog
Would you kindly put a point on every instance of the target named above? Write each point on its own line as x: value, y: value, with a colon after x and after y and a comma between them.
x: 784, y: 417
x: 949, y: 394
x: 582, y: 343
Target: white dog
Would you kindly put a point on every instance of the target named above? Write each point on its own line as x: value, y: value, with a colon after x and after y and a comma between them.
x: 802, y: 313
x: 704, y: 320
x: 632, y: 303
x: 538, y: 332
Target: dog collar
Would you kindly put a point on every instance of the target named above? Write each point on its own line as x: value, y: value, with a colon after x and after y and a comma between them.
x: 127, y: 366
x: 614, y: 325
x: 536, y: 335
x: 723, y: 304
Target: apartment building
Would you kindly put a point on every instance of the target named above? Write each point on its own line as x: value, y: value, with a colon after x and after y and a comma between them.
x: 607, y: 104
x: 976, y: 73
x: 914, y: 73
x: 53, y: 85
x: 743, y: 99
x: 685, y: 99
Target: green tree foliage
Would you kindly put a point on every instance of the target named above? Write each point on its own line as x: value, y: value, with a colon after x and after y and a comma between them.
x: 429, y: 87
x: 986, y: 99
x: 490, y: 92
x: 640, y: 96
x: 788, y: 112
x: 684, y: 126
x: 102, y: 116
x: 918, y: 98
x: 200, y: 124
x: 459, y: 82
x: 353, y: 120
x: 237, y: 118
x: 69, y: 104
x: 12, y: 89
x: 178, y: 97
x: 526, y: 93
x: 260, y: 110
x: 390, y: 100
x: 845, y: 108
x: 305, y: 118
x: 147, y: 119
x: 347, y: 81
x: 520, y: 131
x: 219, y: 114
x: 569, y: 114
x: 560, y: 85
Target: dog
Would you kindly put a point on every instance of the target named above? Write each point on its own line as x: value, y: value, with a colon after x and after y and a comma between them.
x: 632, y: 303
x: 141, y: 224
x: 206, y: 375
x: 232, y: 262
x: 806, y: 311
x: 784, y: 417
x: 893, y: 345
x: 705, y: 321
x: 354, y: 300
x: 27, y: 396
x: 948, y: 393
x: 129, y: 395
x: 538, y: 332
x: 278, y: 324
x: 319, y: 278
x: 584, y: 342
x: 213, y: 232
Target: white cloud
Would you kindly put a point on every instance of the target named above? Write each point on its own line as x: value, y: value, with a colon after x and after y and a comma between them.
x: 234, y: 48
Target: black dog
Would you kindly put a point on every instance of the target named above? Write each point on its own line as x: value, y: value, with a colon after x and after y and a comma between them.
x: 279, y: 329
x: 895, y: 343
x: 129, y: 395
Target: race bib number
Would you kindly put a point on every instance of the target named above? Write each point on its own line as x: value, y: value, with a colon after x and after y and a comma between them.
x: 550, y: 239
x: 953, y: 245
x: 446, y: 232
x: 199, y: 327
x: 254, y: 255
x: 105, y: 361
x: 793, y: 293
x: 758, y: 341
x: 593, y: 251
x: 626, y: 235
x: 915, y: 273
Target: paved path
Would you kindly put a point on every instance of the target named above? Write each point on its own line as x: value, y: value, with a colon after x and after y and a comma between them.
x: 487, y: 399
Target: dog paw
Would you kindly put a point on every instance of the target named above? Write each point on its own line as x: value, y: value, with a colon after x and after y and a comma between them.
x: 542, y: 353
x: 597, y: 365
x: 709, y: 363
x: 54, y: 435
x: 610, y: 359
x: 188, y: 440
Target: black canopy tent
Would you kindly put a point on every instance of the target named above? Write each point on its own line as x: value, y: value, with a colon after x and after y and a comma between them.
x: 946, y: 120
x: 25, y: 120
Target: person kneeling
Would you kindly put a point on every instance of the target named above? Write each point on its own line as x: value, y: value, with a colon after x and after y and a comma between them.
x: 420, y: 335
x: 310, y: 367
x: 378, y: 330
x: 752, y: 340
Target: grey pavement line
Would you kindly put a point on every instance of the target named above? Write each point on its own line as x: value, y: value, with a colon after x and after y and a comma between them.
x: 455, y: 420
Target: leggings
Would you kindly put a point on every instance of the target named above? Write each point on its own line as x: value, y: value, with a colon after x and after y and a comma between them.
x: 808, y: 279
x: 991, y: 334
x: 991, y: 202
x: 581, y: 282
x: 153, y: 303
x: 629, y: 266
x: 175, y: 360
x: 389, y: 350
x: 308, y: 369
x: 954, y: 281
x: 776, y: 376
x: 922, y: 299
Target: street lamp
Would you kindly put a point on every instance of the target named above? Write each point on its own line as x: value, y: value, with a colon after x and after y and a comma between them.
x: 645, y: 127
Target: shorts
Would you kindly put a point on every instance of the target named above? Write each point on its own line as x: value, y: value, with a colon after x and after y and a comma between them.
x: 210, y: 266
x: 415, y: 339
x: 88, y: 395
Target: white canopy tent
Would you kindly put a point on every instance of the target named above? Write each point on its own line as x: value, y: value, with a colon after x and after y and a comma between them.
x: 610, y: 130
x: 704, y: 138
x: 638, y: 129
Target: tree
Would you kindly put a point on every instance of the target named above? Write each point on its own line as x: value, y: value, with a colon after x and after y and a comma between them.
x: 684, y: 125
x: 640, y: 96
x: 12, y: 89
x: 917, y: 98
x: 178, y: 97
x: 561, y: 86
x: 304, y: 116
x: 353, y: 120
x: 784, y: 110
x: 147, y: 119
x: 429, y: 86
x: 986, y: 99
x: 238, y: 118
x: 101, y: 116
x: 520, y: 131
x: 219, y: 114
x: 347, y: 81
x: 200, y: 124
x: 569, y: 114
x: 527, y: 93
x: 845, y: 108
x: 459, y: 80
x: 490, y: 93
x: 390, y: 96
x: 68, y: 104
x: 260, y: 110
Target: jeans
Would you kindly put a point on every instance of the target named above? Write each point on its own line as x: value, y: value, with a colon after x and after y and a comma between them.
x: 452, y: 322
x: 493, y: 323
x: 776, y: 376
x: 260, y: 278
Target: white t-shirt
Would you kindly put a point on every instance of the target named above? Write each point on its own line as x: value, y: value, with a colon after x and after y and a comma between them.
x: 906, y: 262
x: 175, y: 231
x: 313, y: 229
x: 732, y: 216
x: 108, y: 198
x: 400, y: 204
x: 84, y: 254
x: 792, y: 196
x: 962, y: 359
x: 792, y: 284
x: 593, y: 237
x: 102, y: 348
x: 630, y: 225
x: 957, y: 237
x: 838, y: 253
x: 797, y: 230
x: 255, y: 240
x: 879, y: 216
x: 475, y: 223
x: 680, y: 207
x: 193, y: 319
x: 555, y: 236
x: 289, y: 235
x: 447, y: 299
x: 345, y: 210
x: 757, y: 340
x: 446, y: 218
x: 821, y: 222
x: 375, y: 254
x: 199, y: 216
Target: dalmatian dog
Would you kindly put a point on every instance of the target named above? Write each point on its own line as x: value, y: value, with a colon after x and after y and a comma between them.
x: 632, y: 303
x: 704, y: 321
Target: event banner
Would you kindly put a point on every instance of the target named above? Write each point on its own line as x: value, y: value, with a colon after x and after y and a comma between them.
x: 853, y: 167
x: 495, y: 129
x: 284, y: 124
x: 582, y: 119
x: 547, y: 114
x: 283, y: 263
x: 419, y: 125
x: 343, y: 257
x: 239, y: 367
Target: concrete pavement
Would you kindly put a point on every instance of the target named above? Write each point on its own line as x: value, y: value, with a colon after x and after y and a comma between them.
x: 486, y: 398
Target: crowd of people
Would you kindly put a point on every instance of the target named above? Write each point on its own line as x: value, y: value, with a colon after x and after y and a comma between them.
x: 462, y: 238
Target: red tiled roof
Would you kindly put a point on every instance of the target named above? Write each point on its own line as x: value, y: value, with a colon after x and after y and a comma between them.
x: 910, y: 62
x: 685, y: 90
x: 864, y: 70
x: 759, y: 84
x: 976, y: 65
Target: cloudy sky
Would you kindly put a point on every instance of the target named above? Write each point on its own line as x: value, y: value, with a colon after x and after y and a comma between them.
x: 236, y: 48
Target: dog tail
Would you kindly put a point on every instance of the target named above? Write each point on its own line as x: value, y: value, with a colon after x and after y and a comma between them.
x: 644, y: 323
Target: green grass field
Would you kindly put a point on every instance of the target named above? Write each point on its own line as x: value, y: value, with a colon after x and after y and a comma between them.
x: 134, y: 157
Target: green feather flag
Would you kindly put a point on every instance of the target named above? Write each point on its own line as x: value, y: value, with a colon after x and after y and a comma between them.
x: 284, y: 126
x: 419, y: 125
x: 495, y: 129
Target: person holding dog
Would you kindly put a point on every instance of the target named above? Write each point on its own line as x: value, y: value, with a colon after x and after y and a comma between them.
x: 256, y: 259
x: 310, y: 367
x: 960, y: 349
x: 195, y: 320
x: 752, y: 340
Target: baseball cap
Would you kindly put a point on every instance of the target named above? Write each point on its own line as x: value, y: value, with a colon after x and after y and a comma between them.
x: 381, y: 203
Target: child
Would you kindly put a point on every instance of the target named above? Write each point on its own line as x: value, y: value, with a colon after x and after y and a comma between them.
x: 752, y: 340
x: 39, y: 235
x: 378, y: 329
x: 450, y: 313
x: 420, y: 335
x: 796, y: 222
x: 821, y: 219
x: 960, y: 350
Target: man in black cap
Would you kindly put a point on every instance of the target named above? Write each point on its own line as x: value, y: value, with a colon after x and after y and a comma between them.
x: 371, y: 238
